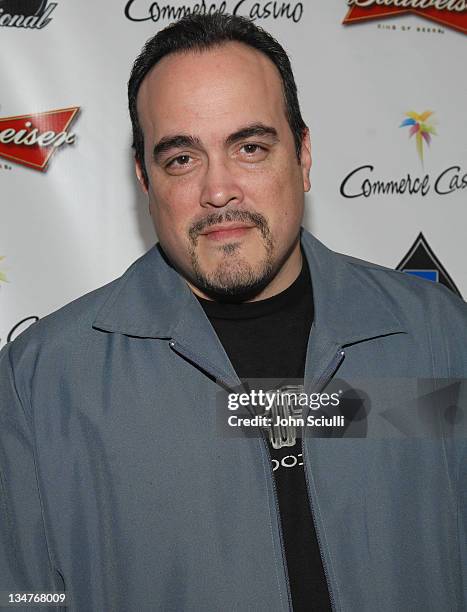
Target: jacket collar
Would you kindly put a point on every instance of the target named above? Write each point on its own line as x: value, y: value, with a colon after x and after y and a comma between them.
x: 350, y: 304
x: 151, y: 300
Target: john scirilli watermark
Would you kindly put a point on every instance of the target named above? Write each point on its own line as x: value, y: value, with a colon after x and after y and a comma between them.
x: 282, y: 407
x: 282, y: 412
x: 376, y: 408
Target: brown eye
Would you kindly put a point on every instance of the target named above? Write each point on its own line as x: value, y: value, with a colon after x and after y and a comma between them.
x: 181, y: 160
x: 251, y: 152
x: 251, y: 148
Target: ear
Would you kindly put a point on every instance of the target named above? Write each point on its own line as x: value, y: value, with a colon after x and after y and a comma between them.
x: 140, y: 176
x: 305, y: 159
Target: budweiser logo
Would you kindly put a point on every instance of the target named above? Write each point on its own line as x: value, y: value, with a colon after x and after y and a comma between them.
x: 26, y: 13
x: 450, y: 13
x: 31, y: 140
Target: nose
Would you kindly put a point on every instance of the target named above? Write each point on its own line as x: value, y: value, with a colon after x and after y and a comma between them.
x: 220, y: 186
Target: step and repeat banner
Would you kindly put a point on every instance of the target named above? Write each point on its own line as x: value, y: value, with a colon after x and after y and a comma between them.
x: 382, y: 87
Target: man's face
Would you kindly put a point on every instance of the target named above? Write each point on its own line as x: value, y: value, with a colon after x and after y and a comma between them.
x: 226, y: 190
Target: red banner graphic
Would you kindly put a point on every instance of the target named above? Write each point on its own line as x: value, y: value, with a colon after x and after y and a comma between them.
x: 450, y: 17
x: 31, y: 140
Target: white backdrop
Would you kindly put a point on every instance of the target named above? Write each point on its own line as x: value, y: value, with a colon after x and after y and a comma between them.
x: 81, y: 222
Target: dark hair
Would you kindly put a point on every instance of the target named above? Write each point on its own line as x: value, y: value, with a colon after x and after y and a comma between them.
x: 201, y: 32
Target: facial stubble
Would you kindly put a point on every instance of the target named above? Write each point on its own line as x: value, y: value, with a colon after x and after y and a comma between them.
x: 234, y: 279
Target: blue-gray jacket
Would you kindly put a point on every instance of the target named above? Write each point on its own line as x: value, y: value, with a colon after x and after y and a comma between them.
x: 116, y: 485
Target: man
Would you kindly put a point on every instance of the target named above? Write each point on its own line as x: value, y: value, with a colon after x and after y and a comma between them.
x: 120, y: 481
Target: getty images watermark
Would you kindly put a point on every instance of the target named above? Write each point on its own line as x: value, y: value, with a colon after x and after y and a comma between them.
x: 377, y: 408
x: 282, y: 412
x: 283, y: 407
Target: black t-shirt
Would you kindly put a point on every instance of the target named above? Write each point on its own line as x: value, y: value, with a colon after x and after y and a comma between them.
x: 268, y: 339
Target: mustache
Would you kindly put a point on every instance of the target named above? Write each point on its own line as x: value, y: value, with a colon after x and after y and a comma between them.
x: 244, y: 216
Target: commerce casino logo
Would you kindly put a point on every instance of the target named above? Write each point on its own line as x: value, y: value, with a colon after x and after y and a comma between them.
x: 449, y: 13
x: 32, y: 140
x: 145, y: 10
x: 422, y: 127
x: 421, y: 261
x: 363, y: 182
x: 32, y: 14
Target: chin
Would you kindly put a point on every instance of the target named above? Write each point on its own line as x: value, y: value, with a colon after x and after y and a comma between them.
x: 234, y: 281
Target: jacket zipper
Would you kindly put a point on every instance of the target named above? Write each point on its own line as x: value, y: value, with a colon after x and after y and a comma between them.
x: 184, y: 352
x: 320, y: 384
x: 278, y: 518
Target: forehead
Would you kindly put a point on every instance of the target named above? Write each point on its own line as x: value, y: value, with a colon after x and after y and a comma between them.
x: 212, y: 91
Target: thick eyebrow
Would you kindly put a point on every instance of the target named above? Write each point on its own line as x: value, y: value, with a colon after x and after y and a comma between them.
x: 256, y: 129
x: 179, y: 141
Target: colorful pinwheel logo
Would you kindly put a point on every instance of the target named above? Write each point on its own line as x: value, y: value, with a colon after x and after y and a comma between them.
x: 2, y: 274
x: 421, y: 127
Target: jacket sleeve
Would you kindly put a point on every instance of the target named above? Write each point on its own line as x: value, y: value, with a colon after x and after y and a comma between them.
x: 25, y: 565
x: 462, y: 487
x: 452, y: 328
x: 463, y: 520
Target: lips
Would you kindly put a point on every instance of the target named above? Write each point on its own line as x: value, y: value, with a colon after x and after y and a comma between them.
x: 228, y: 230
